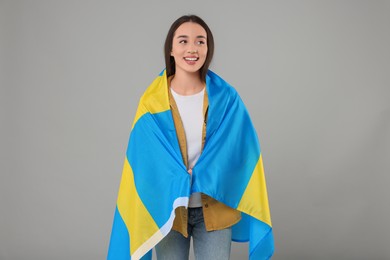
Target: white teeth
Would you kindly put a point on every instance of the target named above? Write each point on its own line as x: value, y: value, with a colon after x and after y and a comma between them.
x: 191, y: 59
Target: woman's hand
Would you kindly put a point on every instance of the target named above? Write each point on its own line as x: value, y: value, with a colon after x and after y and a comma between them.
x: 190, y: 171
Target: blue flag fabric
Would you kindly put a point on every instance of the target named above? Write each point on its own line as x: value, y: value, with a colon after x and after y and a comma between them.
x: 155, y: 180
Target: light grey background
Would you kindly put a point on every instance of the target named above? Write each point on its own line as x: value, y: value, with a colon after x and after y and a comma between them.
x: 313, y: 74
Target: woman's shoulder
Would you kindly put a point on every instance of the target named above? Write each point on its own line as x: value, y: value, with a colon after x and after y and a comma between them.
x: 217, y: 83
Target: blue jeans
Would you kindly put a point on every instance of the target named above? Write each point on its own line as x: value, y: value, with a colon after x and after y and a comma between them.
x: 213, y: 245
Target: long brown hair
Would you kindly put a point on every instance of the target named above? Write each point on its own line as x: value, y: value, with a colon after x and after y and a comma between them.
x: 170, y: 61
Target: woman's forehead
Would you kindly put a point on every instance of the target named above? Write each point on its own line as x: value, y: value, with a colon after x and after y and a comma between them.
x: 190, y: 29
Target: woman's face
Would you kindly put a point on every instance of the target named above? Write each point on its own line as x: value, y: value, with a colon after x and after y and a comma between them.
x: 189, y: 47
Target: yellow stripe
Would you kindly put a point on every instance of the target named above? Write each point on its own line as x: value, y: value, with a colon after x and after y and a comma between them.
x: 155, y: 98
x: 255, y: 199
x: 138, y: 220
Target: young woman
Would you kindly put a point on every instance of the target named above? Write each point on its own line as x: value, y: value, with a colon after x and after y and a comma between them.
x: 189, y: 49
x: 193, y: 167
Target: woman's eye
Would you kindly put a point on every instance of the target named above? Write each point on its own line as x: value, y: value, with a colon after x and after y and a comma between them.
x: 201, y: 42
x: 183, y: 41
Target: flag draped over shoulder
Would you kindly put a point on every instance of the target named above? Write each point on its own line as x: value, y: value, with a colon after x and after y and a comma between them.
x: 155, y: 180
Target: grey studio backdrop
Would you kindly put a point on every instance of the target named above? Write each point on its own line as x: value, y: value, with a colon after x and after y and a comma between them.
x: 313, y: 74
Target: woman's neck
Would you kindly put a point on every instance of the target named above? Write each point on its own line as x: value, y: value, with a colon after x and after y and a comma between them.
x: 186, y: 84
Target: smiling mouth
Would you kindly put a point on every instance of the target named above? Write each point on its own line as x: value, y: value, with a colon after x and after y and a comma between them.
x: 191, y: 59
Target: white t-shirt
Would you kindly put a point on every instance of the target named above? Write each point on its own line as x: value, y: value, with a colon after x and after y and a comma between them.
x: 191, y: 114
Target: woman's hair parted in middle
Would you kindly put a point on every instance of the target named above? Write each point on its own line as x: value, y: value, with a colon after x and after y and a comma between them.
x: 170, y: 61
